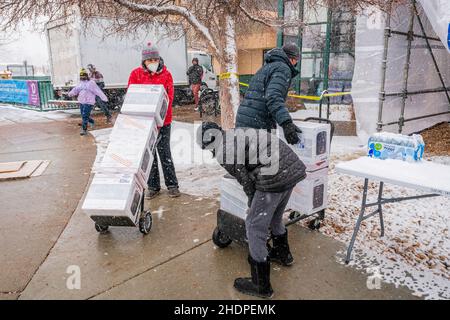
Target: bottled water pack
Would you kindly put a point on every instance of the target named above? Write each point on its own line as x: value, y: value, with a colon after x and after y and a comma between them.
x: 386, y: 145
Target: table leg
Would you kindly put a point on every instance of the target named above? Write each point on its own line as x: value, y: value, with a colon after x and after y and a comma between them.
x: 380, y: 208
x: 358, y: 223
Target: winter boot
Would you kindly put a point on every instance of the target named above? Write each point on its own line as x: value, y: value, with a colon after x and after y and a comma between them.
x: 259, y: 284
x: 174, y: 193
x: 280, y: 252
x: 151, y: 194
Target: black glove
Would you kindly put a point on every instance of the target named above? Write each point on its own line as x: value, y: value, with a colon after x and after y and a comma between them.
x: 291, y: 132
x: 250, y: 192
x: 250, y: 200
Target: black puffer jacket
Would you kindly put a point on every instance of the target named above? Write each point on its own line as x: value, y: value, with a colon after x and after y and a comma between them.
x: 195, y: 74
x: 264, y: 104
x: 262, y: 161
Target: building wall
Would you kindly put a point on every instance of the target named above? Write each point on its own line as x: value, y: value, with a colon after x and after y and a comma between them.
x: 250, y: 61
x: 251, y: 50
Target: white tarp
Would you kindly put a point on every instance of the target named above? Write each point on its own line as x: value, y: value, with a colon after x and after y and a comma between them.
x: 422, y: 75
x: 438, y: 12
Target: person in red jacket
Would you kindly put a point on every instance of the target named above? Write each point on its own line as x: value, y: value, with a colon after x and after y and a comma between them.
x: 153, y: 71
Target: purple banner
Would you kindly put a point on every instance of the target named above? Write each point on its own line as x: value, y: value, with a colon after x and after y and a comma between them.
x: 33, y: 93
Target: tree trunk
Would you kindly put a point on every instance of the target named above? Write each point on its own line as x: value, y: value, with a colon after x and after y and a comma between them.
x: 229, y: 84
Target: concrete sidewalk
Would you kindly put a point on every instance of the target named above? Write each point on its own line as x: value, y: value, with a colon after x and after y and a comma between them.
x: 35, y: 211
x: 178, y: 260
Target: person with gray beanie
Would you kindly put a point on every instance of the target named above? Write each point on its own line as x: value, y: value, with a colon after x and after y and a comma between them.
x: 153, y: 71
x: 264, y: 104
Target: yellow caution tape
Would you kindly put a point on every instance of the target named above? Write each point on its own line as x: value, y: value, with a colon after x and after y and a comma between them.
x: 337, y: 94
x: 228, y: 75
x: 313, y: 98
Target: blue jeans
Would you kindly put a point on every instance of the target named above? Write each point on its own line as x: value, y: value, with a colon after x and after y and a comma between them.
x: 85, y: 110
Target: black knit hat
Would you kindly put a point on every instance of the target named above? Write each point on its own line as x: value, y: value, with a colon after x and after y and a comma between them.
x: 292, y: 51
x: 206, y: 134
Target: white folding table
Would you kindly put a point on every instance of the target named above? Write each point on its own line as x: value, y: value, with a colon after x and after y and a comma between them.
x: 425, y: 176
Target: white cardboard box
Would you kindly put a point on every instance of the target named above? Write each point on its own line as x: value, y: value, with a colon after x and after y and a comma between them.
x: 314, y: 146
x: 310, y: 195
x: 233, y: 198
x: 146, y: 101
x: 114, y: 199
x: 131, y: 147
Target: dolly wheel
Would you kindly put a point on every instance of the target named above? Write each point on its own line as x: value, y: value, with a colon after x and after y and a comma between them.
x: 101, y: 229
x: 146, y: 223
x: 220, y: 239
x: 294, y: 215
x: 315, y: 224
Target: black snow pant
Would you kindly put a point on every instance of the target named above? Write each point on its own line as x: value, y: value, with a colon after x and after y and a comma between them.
x: 168, y: 167
x: 103, y: 105
x: 266, y: 212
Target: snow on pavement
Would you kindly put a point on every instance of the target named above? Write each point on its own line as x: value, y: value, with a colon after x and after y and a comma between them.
x: 12, y: 115
x: 415, y: 249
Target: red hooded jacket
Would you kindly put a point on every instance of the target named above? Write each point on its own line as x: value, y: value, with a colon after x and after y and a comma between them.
x: 164, y: 77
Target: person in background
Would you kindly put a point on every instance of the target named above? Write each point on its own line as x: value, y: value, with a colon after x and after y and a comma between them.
x: 264, y: 104
x: 268, y: 193
x: 195, y: 73
x: 153, y: 71
x: 95, y: 75
x: 87, y: 92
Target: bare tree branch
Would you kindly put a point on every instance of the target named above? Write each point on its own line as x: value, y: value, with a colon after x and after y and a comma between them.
x: 173, y: 10
x: 255, y: 18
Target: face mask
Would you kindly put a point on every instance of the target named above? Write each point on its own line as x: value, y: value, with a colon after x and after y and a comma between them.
x: 153, y: 67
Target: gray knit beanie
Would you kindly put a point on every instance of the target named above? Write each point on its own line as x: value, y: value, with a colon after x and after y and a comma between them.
x: 150, y: 52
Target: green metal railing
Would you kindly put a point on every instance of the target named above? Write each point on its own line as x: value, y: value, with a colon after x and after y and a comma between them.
x: 46, y: 93
x: 324, y: 55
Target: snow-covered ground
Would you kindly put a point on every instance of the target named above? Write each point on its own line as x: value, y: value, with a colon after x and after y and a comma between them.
x: 415, y: 249
x: 13, y: 115
x: 337, y: 112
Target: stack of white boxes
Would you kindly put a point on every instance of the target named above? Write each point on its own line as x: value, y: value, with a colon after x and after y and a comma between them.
x: 310, y: 195
x: 118, y: 186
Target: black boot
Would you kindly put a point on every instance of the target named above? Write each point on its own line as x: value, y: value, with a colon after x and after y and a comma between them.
x: 259, y: 284
x: 280, y: 252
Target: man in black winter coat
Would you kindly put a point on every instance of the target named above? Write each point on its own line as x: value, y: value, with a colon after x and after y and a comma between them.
x: 268, y: 170
x: 264, y: 104
x: 195, y: 73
